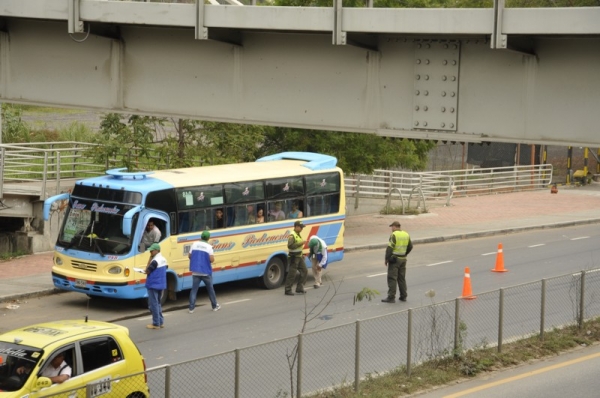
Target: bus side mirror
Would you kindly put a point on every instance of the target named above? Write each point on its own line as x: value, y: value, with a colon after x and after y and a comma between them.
x: 128, y: 220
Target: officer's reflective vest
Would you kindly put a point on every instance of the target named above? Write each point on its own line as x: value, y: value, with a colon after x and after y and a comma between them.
x: 298, y: 241
x: 402, y: 239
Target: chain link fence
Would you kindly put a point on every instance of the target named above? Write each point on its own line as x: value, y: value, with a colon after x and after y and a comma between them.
x: 344, y: 355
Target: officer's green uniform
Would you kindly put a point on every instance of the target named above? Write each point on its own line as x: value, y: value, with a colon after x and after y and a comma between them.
x: 395, y: 256
x: 296, y: 262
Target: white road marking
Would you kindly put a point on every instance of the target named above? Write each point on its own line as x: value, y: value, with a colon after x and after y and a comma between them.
x: 237, y: 301
x: 581, y: 237
x: 371, y: 276
x: 489, y: 254
x: 541, y: 244
x: 443, y: 262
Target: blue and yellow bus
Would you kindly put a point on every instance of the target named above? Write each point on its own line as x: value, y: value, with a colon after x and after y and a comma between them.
x: 99, y: 249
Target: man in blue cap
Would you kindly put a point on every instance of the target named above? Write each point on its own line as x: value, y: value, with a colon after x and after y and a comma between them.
x: 201, y: 258
x: 156, y: 282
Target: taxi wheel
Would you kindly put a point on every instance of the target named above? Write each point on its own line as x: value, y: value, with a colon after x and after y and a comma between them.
x: 137, y: 394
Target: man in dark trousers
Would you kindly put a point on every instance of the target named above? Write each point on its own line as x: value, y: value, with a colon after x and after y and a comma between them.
x: 296, y: 261
x: 395, y: 259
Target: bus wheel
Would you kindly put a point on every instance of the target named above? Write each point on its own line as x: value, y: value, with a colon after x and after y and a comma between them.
x: 163, y: 299
x: 274, y: 274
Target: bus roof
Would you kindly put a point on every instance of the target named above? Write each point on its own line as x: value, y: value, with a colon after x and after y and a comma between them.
x: 274, y: 166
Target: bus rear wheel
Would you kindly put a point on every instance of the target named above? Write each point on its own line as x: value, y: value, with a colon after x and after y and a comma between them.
x: 274, y: 274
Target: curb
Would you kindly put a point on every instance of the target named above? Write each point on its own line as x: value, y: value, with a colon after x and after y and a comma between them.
x: 50, y: 291
x: 480, y: 234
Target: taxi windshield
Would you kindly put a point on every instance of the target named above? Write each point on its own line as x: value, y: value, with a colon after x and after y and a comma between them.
x: 16, y: 365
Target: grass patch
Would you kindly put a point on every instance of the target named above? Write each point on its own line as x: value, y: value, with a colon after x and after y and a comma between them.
x: 10, y: 256
x: 33, y: 110
x: 451, y: 369
x: 398, y: 210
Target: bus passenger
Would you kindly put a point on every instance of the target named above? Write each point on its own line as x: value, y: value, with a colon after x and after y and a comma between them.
x: 260, y: 216
x: 151, y: 235
x: 276, y: 214
x: 296, y: 212
x: 219, y: 221
x: 251, y: 215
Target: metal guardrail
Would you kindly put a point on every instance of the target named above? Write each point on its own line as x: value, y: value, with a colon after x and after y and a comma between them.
x: 441, y: 186
x: 28, y: 168
x: 346, y: 354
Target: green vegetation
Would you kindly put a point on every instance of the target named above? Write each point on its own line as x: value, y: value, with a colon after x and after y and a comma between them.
x: 9, y: 256
x: 461, y: 366
x: 149, y: 143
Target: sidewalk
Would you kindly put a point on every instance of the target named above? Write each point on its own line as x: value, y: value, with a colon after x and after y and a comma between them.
x: 464, y: 218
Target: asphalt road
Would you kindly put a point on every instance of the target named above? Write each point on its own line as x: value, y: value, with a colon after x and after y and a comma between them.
x: 252, y: 316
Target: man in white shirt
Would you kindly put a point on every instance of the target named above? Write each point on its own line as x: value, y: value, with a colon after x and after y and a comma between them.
x: 151, y: 235
x: 57, y: 370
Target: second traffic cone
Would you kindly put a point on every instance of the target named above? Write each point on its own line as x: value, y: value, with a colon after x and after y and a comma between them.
x: 467, y: 291
x: 499, y: 260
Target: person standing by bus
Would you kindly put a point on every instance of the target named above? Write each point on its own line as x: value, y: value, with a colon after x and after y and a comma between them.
x: 156, y: 282
x: 318, y: 256
x: 151, y: 235
x: 399, y: 246
x: 296, y: 261
x: 201, y: 258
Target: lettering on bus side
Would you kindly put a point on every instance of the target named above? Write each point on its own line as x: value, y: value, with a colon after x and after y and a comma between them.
x: 265, y: 239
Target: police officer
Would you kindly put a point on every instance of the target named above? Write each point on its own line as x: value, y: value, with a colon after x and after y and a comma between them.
x: 296, y: 262
x: 395, y: 259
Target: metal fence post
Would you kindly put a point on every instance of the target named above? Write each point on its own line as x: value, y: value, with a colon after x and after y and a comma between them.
x: 2, y: 155
x: 456, y: 325
x: 167, y: 381
x: 409, y: 343
x: 45, y: 176
x: 299, y: 375
x: 357, y: 357
x: 237, y: 373
x: 356, y: 194
x: 543, y: 310
x: 57, y: 172
x: 581, y: 301
x: 500, y: 319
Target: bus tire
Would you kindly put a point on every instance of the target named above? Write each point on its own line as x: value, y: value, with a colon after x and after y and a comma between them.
x: 274, y: 274
x: 163, y: 299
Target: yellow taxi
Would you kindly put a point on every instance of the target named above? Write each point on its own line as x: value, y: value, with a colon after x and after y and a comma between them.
x: 74, y: 357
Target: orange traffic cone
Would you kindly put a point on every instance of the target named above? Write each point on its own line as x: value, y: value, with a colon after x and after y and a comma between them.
x: 467, y: 292
x: 500, y: 260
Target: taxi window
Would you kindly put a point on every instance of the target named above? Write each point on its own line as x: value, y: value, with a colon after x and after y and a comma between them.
x: 97, y: 353
x: 16, y: 364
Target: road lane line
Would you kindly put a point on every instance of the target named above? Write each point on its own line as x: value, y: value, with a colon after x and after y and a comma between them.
x: 371, y: 276
x: 524, y: 375
x: 541, y: 244
x: 443, y: 262
x: 581, y: 237
x: 236, y: 301
x: 489, y: 254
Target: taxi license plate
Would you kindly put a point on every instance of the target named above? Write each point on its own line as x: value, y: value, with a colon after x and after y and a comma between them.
x: 81, y: 283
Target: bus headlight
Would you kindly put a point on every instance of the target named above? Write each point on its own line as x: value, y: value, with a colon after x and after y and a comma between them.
x: 114, y: 270
x: 58, y: 260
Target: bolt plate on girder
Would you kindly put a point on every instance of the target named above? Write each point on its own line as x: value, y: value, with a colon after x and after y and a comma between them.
x: 435, y: 95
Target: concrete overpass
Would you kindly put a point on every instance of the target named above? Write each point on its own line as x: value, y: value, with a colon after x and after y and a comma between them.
x: 501, y: 75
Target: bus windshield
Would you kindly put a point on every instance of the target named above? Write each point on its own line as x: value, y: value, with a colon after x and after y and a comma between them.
x: 17, y: 363
x: 95, y: 227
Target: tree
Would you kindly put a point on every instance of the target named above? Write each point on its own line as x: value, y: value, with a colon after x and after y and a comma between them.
x: 356, y: 152
x: 14, y: 129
